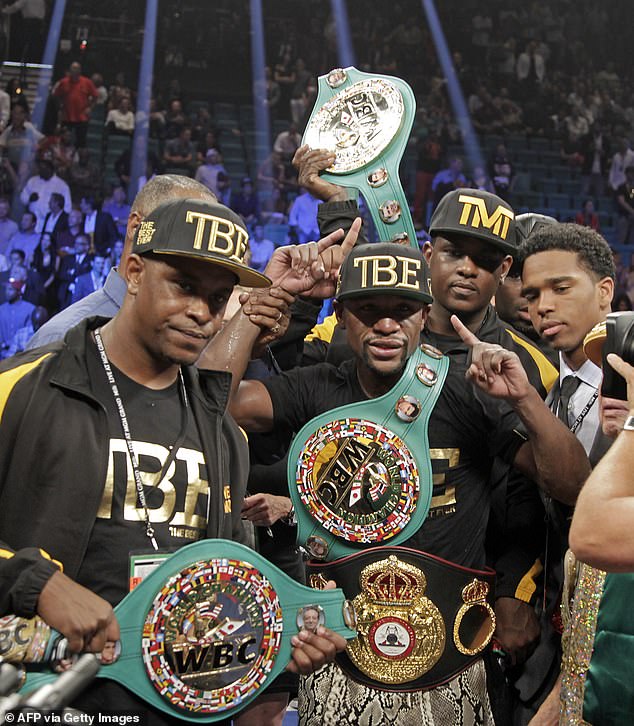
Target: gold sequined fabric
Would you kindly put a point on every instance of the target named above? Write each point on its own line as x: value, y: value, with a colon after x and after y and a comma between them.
x: 578, y: 644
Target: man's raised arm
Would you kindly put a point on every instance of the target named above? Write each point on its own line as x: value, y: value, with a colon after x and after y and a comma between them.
x: 553, y: 457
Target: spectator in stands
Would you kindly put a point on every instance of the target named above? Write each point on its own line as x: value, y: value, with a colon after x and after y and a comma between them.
x: 595, y: 147
x: 27, y: 37
x: 261, y: 249
x: 62, y: 150
x: 46, y: 264
x: 268, y: 93
x: 201, y: 124
x: 284, y: 77
x: 84, y: 175
x: 118, y: 90
x: 571, y: 151
x: 223, y: 183
x: 26, y: 239
x: 179, y: 152
x: 209, y: 141
x: 15, y: 313
x: 430, y: 152
x: 481, y: 180
x: 115, y: 255
x: 20, y: 139
x: 175, y: 119
x: 245, y: 203
x: 587, y: 216
x: 623, y: 158
x: 157, y: 120
x: 91, y: 281
x: 31, y: 289
x: 446, y: 180
x: 120, y: 120
x: 38, y: 189
x: 118, y: 208
x: 501, y: 171
x: 70, y: 268
x: 278, y: 177
x: 625, y: 208
x: 287, y: 142
x: 98, y: 226
x: 102, y: 91
x: 66, y: 238
x: 302, y: 216
x: 207, y: 173
x: 530, y: 68
x: 7, y: 226
x: 299, y: 91
x: 78, y: 95
x: 22, y: 336
x: 57, y: 219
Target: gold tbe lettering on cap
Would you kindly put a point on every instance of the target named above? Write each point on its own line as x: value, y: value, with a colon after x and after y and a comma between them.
x: 225, y: 238
x: 389, y: 271
x: 476, y: 209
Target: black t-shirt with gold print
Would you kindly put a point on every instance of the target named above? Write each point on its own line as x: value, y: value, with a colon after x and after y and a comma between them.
x: 177, y: 505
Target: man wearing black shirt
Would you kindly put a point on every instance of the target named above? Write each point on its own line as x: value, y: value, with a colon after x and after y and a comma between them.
x: 383, y: 327
x: 76, y: 503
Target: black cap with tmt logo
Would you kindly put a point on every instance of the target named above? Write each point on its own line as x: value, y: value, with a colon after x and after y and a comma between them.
x: 476, y: 213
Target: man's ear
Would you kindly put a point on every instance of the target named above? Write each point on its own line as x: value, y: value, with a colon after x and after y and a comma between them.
x: 428, y: 248
x: 132, y: 273
x: 134, y: 220
x: 338, y: 309
x: 606, y: 293
x: 505, y: 267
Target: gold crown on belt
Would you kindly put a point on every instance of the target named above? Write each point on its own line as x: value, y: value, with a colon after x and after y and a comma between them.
x: 393, y: 581
x: 475, y: 591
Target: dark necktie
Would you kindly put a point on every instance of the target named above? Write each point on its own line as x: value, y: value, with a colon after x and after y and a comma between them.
x: 568, y: 387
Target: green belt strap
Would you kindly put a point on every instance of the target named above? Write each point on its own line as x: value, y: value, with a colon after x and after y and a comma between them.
x: 210, y: 629
x: 361, y: 475
x: 367, y: 119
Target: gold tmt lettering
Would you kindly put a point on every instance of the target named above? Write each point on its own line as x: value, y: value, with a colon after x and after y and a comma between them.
x: 476, y: 208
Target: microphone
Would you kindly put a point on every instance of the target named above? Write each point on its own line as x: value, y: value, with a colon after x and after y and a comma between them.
x: 10, y: 678
x: 68, y: 686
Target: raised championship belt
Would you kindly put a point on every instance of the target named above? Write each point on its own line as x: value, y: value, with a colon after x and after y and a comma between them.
x: 360, y: 475
x: 367, y: 119
x: 210, y: 629
x: 421, y: 620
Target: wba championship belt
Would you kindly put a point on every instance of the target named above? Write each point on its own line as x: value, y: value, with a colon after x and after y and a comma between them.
x: 421, y: 620
x: 366, y: 120
x: 205, y: 633
x: 360, y: 475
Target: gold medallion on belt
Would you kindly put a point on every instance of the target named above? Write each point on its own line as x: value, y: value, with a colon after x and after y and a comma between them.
x: 401, y: 632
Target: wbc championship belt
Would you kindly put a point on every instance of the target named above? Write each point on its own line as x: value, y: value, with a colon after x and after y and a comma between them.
x: 366, y: 119
x: 203, y: 634
x: 360, y: 475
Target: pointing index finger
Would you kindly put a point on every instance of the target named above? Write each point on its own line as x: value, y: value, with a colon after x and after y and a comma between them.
x: 465, y: 334
x: 352, y: 237
x: 329, y: 240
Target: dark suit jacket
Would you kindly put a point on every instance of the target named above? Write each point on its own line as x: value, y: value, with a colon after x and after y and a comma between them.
x: 105, y: 234
x: 84, y: 285
x: 60, y: 225
x: 69, y: 271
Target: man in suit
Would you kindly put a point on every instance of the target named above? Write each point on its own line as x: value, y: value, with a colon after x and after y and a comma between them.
x: 568, y: 280
x: 98, y: 225
x: 72, y: 267
x: 91, y: 281
x: 56, y: 220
